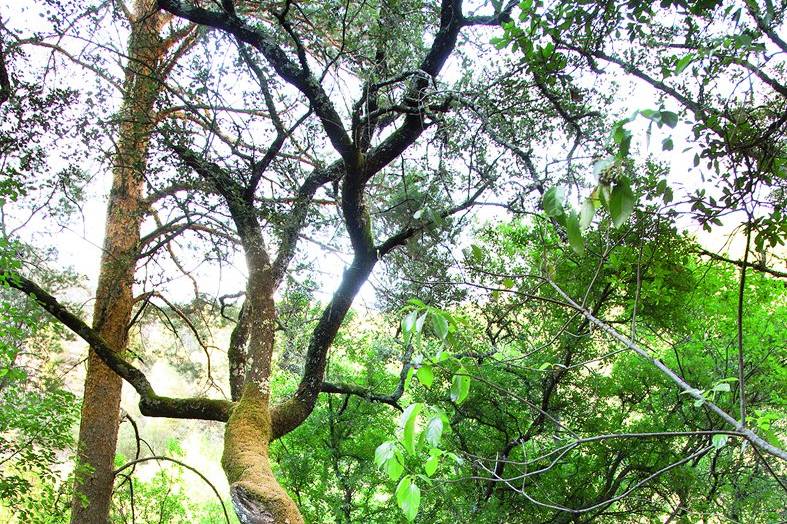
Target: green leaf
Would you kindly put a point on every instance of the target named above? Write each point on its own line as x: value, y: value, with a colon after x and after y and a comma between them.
x: 621, y: 202
x: 408, y: 496
x: 430, y: 466
x: 575, y: 234
x: 419, y: 323
x: 667, y: 144
x: 719, y: 441
x: 460, y: 386
x: 477, y: 253
x: 586, y: 214
x: 408, y: 420
x: 553, y: 202
x: 439, y: 325
x: 384, y: 453
x: 408, y: 322
x: 723, y: 387
x: 425, y: 375
x: 683, y: 63
x: 434, y: 430
x: 699, y: 402
x: 409, y: 377
x: 669, y: 118
x: 394, y: 467
x: 508, y: 283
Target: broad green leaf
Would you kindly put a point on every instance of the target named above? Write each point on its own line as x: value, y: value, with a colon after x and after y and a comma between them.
x: 508, y: 283
x: 394, y: 467
x: 553, y: 202
x: 460, y: 386
x: 719, y: 441
x: 419, y: 323
x: 440, y: 325
x: 408, y: 496
x: 586, y: 214
x: 430, y: 466
x: 604, y: 193
x: 683, y: 63
x: 384, y: 453
x: 408, y: 322
x: 669, y: 118
x: 621, y: 202
x: 425, y: 375
x: 575, y: 234
x: 434, y: 430
x: 723, y: 387
x: 408, y: 420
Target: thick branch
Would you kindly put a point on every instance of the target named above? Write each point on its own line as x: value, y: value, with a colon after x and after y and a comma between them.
x: 291, y: 413
x: 281, y: 63
x: 150, y: 404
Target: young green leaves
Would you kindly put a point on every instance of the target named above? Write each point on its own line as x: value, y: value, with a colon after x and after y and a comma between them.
x: 616, y: 197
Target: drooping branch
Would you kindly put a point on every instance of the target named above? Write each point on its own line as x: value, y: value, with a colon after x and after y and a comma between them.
x: 150, y: 403
x: 752, y: 437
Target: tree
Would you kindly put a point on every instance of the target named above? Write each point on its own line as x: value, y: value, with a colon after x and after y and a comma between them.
x: 147, y: 65
x: 396, y: 167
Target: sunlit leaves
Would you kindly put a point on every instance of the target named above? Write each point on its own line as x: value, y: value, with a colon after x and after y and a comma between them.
x: 434, y: 430
x: 408, y: 497
x: 574, y: 230
x: 408, y: 420
x: 460, y: 386
x: 553, y: 202
x: 621, y: 202
x: 425, y: 375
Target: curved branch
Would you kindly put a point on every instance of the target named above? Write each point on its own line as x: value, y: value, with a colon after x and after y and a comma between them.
x: 150, y: 404
x: 183, y: 465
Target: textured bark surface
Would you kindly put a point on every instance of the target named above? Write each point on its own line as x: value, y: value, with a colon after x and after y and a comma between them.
x: 114, y: 298
x: 257, y: 496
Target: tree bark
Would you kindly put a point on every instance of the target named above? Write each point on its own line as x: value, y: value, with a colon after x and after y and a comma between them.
x: 114, y: 293
x: 257, y: 496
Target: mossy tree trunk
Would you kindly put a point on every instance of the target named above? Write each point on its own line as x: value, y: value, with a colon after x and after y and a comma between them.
x: 114, y: 293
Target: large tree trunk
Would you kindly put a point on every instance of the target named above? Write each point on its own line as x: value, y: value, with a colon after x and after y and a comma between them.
x: 256, y: 494
x: 114, y: 293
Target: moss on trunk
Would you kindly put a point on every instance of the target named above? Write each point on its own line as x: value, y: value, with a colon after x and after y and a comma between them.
x: 256, y: 494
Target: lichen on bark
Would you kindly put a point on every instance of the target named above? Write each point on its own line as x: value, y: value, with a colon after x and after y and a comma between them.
x: 257, y: 496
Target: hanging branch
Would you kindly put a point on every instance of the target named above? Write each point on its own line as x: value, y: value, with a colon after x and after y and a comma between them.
x: 150, y: 403
x: 752, y: 437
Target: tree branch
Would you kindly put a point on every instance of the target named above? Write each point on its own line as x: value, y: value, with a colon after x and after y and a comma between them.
x: 150, y: 404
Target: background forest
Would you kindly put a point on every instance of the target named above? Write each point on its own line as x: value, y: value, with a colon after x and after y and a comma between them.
x: 393, y: 260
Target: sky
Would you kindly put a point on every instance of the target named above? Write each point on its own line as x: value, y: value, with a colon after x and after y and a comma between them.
x: 79, y: 244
